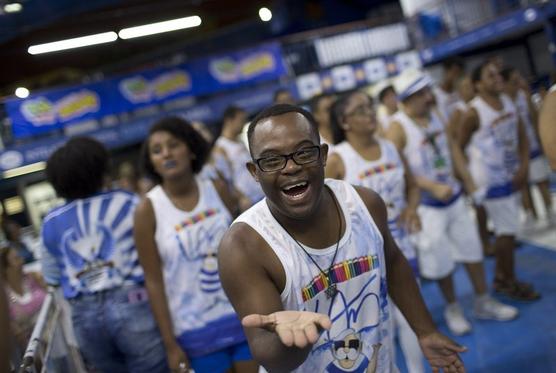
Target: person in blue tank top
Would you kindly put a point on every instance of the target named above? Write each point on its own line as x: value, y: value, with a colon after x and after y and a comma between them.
x: 89, y: 250
x: 268, y: 258
x: 178, y: 227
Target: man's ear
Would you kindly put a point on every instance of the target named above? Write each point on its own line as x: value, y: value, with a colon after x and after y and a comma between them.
x: 324, y: 153
x: 252, y: 168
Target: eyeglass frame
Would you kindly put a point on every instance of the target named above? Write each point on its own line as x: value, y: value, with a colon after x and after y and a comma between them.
x: 361, y: 110
x: 288, y: 157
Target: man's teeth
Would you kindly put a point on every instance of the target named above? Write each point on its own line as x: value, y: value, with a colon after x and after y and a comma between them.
x: 289, y: 187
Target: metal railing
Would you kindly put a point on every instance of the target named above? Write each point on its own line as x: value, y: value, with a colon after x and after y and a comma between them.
x: 48, y: 349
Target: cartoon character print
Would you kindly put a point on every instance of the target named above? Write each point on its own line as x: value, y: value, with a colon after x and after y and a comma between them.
x: 355, y: 342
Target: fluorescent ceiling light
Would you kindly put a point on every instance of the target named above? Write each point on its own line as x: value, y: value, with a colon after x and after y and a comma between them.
x: 23, y: 170
x: 159, y: 27
x: 13, y: 8
x: 22, y: 92
x: 265, y: 14
x: 83, y: 41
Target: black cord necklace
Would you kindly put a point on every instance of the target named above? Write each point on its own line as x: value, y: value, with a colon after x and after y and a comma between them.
x: 331, y: 289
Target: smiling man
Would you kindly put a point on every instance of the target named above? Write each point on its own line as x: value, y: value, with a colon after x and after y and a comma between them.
x: 311, y: 264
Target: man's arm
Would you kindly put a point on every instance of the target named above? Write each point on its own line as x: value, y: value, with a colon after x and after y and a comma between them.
x: 520, y: 177
x: 547, y: 128
x: 440, y: 351
x: 468, y: 125
x: 396, y: 135
x: 409, y: 216
x: 253, y: 278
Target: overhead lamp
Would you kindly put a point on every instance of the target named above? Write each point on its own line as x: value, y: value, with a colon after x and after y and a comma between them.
x: 265, y: 14
x: 23, y: 170
x: 13, y: 8
x: 160, y: 27
x: 22, y: 92
x: 83, y: 41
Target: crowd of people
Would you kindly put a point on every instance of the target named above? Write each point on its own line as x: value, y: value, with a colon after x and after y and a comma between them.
x: 304, y: 249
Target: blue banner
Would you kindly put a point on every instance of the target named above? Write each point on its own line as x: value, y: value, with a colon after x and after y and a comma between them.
x: 57, y: 109
x: 135, y: 131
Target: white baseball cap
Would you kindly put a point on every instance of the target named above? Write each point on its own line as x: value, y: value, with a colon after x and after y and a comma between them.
x: 411, y: 81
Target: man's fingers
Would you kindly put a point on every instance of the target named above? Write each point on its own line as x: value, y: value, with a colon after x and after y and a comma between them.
x: 300, y: 339
x: 286, y: 335
x: 323, y: 322
x: 453, y: 346
x: 259, y: 321
x: 312, y: 333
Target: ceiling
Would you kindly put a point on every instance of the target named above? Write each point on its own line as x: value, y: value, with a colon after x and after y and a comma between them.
x: 227, y: 23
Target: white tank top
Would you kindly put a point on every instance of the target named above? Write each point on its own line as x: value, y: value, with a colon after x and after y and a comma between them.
x: 359, y: 312
x: 386, y: 176
x: 493, y: 149
x: 446, y: 102
x: 238, y: 155
x: 428, y: 155
x: 203, y: 318
x: 522, y: 106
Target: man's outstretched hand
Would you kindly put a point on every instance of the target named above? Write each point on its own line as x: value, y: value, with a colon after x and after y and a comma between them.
x: 442, y: 353
x: 294, y: 328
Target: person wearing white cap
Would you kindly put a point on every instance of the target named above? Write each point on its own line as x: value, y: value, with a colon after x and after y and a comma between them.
x: 364, y: 160
x: 494, y: 137
x: 448, y: 235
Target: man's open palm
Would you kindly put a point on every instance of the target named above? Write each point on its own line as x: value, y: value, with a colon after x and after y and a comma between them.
x: 295, y: 328
x: 442, y: 353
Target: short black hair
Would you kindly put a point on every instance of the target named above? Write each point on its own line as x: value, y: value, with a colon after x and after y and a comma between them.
x: 182, y: 130
x: 231, y: 112
x: 455, y: 61
x: 337, y: 116
x: 276, y: 110
x: 507, y: 73
x: 77, y: 168
x: 384, y: 91
x: 478, y: 71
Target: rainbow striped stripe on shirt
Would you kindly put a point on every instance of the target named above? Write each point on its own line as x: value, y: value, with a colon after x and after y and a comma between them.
x: 377, y: 170
x: 340, y: 272
x: 195, y: 219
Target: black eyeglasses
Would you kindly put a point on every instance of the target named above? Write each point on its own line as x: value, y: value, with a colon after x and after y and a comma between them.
x: 361, y: 110
x: 278, y: 162
x: 353, y: 343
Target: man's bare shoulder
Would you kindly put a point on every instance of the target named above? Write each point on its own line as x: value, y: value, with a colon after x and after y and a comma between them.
x: 242, y: 239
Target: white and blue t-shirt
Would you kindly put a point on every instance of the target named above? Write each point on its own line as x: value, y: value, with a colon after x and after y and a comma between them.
x: 89, y: 245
